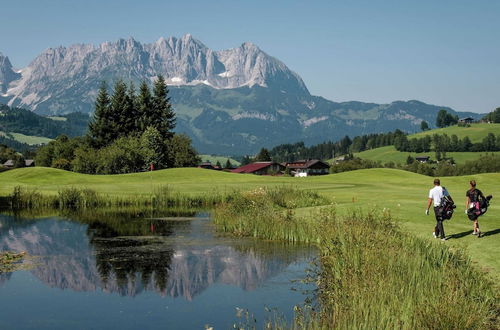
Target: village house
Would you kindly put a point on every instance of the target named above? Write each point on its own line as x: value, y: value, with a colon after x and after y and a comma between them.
x: 206, y: 165
x: 422, y: 159
x: 466, y: 120
x: 27, y: 163
x: 307, y: 167
x: 261, y: 168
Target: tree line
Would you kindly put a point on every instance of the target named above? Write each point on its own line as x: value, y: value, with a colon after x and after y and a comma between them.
x: 326, y: 150
x: 445, y: 143
x: 130, y: 132
x: 489, y: 163
x: 493, y: 117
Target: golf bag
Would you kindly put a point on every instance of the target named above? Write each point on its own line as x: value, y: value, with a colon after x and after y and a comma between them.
x: 446, y: 208
x: 476, y: 209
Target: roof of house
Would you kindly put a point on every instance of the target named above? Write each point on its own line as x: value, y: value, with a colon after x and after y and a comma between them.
x: 466, y: 118
x: 250, y: 168
x: 422, y: 157
x: 306, y: 163
x: 29, y: 162
x: 10, y: 162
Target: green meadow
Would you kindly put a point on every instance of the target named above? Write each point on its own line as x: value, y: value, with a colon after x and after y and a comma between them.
x: 390, y: 154
x: 402, y: 193
x: 28, y: 139
x: 476, y: 132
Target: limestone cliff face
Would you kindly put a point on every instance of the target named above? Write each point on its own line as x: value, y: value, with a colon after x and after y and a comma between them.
x: 7, y: 73
x: 66, y: 79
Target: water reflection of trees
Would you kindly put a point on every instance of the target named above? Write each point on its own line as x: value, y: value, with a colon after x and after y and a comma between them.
x: 129, y: 252
x: 128, y: 247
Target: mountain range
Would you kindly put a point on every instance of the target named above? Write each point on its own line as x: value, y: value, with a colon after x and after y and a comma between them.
x: 231, y: 101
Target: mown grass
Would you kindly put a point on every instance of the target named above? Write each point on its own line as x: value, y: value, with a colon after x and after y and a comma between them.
x: 372, y: 274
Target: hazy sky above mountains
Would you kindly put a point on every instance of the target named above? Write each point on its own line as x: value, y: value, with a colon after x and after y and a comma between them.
x: 440, y: 52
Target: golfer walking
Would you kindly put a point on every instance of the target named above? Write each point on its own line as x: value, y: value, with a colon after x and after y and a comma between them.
x: 435, y: 196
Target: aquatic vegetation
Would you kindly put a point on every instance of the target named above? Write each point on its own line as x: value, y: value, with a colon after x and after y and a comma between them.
x: 10, y: 261
x: 85, y: 198
x: 371, y: 273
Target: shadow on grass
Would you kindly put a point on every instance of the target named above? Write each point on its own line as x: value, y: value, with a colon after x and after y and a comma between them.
x: 460, y: 235
x: 491, y: 232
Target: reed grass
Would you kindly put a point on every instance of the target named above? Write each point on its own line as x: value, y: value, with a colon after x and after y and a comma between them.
x: 370, y: 273
x: 85, y: 198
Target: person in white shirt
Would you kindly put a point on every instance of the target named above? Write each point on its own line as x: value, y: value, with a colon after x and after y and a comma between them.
x: 435, y: 196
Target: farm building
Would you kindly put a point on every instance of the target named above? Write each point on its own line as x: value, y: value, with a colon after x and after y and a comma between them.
x: 422, y: 159
x: 11, y: 163
x: 261, y: 168
x: 308, y: 167
x: 466, y: 120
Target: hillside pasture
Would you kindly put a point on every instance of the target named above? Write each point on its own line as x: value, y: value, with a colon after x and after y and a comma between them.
x: 390, y: 154
x: 476, y: 132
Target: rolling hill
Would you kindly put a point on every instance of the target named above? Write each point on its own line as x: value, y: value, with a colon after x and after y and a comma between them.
x: 476, y: 132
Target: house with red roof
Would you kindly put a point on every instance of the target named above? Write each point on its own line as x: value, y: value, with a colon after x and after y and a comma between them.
x: 261, y: 168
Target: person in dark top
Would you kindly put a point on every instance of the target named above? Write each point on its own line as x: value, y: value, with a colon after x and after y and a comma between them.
x: 473, y: 199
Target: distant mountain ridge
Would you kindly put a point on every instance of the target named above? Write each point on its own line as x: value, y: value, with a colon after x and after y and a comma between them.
x: 231, y: 101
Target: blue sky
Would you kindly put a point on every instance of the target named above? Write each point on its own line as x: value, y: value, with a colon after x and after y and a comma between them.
x: 440, y: 52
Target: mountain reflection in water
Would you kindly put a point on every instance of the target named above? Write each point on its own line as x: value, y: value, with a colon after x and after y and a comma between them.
x: 129, y: 253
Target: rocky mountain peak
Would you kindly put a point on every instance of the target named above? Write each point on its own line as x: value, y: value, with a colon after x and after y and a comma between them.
x: 7, y: 73
x: 61, y: 74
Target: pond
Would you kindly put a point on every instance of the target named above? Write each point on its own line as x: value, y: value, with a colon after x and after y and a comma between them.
x: 121, y: 270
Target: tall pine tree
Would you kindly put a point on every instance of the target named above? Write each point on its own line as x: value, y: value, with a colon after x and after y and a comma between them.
x: 119, y: 106
x: 100, y: 127
x: 162, y: 115
x: 144, y: 107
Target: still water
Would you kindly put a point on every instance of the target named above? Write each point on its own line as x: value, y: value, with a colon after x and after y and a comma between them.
x: 133, y: 271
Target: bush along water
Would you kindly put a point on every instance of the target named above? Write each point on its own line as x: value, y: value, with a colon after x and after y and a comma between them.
x: 84, y: 198
x: 370, y: 273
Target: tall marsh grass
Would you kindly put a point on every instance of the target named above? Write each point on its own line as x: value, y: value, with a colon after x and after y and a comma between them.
x: 371, y: 274
x: 84, y: 198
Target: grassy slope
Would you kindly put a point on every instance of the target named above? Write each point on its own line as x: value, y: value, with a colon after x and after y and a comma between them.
x: 389, y: 153
x: 404, y: 193
x: 476, y: 133
x: 28, y: 139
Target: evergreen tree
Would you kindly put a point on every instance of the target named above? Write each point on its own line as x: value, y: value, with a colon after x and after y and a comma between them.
x: 162, y: 114
x: 424, y: 126
x: 218, y: 164
x: 228, y: 164
x: 131, y: 114
x: 101, y: 125
x: 246, y: 160
x: 119, y: 107
x: 144, y: 105
x: 263, y: 156
x: 441, y: 118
